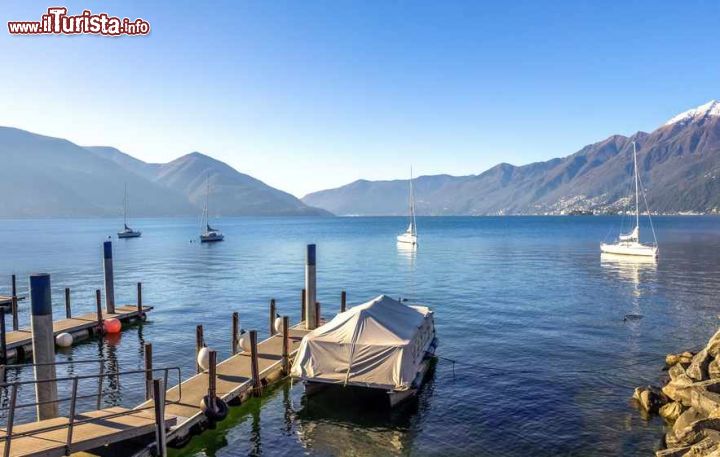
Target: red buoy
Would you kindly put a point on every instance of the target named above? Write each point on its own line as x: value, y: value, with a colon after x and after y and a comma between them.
x: 112, y: 325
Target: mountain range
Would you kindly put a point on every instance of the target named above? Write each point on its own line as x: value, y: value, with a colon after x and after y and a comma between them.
x: 679, y: 164
x: 42, y: 176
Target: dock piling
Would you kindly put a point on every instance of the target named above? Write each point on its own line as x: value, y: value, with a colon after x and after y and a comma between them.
x: 254, y: 367
x: 139, y: 299
x: 43, y: 344
x: 68, y: 311
x: 310, y: 286
x: 13, y: 285
x: 98, y: 306
x: 302, y: 306
x: 158, y: 387
x: 286, y: 344
x: 272, y: 316
x: 343, y: 301
x: 199, y: 344
x: 14, y: 309
x: 109, y: 280
x: 212, y: 383
x: 148, y: 371
x: 3, y: 339
x: 235, y: 332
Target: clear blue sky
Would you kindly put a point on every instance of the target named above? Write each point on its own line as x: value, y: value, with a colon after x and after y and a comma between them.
x: 308, y: 95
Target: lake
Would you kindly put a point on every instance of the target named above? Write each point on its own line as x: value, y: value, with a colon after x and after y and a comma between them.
x: 545, y: 363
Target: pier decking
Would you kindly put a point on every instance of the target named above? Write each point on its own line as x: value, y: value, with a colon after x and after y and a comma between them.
x: 48, y: 438
x: 22, y: 338
x: 234, y: 380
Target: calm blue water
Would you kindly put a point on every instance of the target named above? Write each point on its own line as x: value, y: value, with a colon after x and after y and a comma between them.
x: 533, y: 316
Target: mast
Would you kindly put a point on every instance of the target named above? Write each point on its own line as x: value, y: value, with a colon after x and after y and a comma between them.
x: 125, y: 206
x: 207, y: 202
x: 637, y: 201
x: 412, y: 203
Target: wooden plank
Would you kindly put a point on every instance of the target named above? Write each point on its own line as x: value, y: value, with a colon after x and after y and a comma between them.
x: 102, y: 430
x: 233, y: 379
x: 23, y: 336
x: 6, y: 300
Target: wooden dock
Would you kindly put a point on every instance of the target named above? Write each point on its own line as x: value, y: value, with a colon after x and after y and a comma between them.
x: 48, y: 438
x: 234, y: 381
x: 80, y: 327
x: 7, y: 300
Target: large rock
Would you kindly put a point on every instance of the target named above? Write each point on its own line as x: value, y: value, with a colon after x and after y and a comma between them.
x: 671, y: 411
x: 713, y: 346
x: 649, y: 398
x: 714, y: 369
x: 698, y: 369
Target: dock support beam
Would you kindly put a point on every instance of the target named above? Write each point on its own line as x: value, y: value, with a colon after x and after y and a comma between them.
x: 14, y: 309
x: 254, y: 367
x: 302, y: 306
x: 317, y: 314
x: 13, y: 285
x: 139, y: 299
x: 343, y: 301
x: 109, y: 280
x: 3, y: 338
x: 212, y: 383
x: 98, y: 306
x: 235, y: 332
x: 199, y: 344
x: 68, y: 311
x: 148, y: 372
x: 158, y: 387
x: 310, y: 290
x: 273, y: 313
x: 286, y: 345
x: 43, y: 343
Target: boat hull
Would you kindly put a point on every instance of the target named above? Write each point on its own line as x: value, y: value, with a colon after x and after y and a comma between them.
x: 129, y: 234
x: 407, y: 238
x: 211, y: 239
x: 632, y: 249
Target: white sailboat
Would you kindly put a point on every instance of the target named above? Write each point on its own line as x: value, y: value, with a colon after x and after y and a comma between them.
x: 209, y: 234
x: 127, y: 232
x: 410, y: 235
x: 629, y: 243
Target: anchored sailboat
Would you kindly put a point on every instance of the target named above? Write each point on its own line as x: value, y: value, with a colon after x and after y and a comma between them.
x: 629, y: 243
x: 127, y: 232
x: 410, y: 235
x: 209, y: 234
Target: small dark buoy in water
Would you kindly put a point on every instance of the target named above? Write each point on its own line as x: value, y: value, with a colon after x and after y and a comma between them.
x: 632, y: 317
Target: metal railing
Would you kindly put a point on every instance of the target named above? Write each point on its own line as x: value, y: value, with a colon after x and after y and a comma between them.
x: 14, y: 386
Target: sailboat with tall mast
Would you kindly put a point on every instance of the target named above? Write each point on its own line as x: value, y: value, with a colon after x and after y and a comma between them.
x: 629, y: 243
x: 209, y: 234
x: 127, y: 232
x: 410, y: 235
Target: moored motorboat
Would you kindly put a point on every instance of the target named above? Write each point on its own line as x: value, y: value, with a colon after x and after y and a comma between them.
x: 382, y: 344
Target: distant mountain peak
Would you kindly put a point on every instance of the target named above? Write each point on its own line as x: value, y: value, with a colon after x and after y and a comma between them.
x: 711, y: 108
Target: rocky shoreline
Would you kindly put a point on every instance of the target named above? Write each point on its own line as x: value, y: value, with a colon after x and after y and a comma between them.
x: 689, y: 402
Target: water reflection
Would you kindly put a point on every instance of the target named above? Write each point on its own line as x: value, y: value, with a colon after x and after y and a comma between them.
x: 341, y: 418
x: 407, y: 251
x: 632, y: 269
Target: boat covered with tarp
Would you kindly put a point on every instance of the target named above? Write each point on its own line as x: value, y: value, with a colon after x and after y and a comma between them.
x: 381, y: 344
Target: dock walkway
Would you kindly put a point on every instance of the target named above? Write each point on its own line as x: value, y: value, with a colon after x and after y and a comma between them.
x: 234, y: 380
x: 49, y: 438
x: 22, y: 338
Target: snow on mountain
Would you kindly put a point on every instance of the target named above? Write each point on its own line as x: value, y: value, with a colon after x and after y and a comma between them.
x: 711, y: 108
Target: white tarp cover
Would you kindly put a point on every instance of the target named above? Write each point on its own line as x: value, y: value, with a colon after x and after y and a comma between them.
x: 378, y: 344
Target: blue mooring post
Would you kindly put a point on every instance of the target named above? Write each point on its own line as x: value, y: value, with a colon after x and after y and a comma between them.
x: 310, y: 288
x: 109, y: 281
x: 43, y: 343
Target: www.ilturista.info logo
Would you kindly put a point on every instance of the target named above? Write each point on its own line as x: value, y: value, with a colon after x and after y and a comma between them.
x: 57, y: 22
